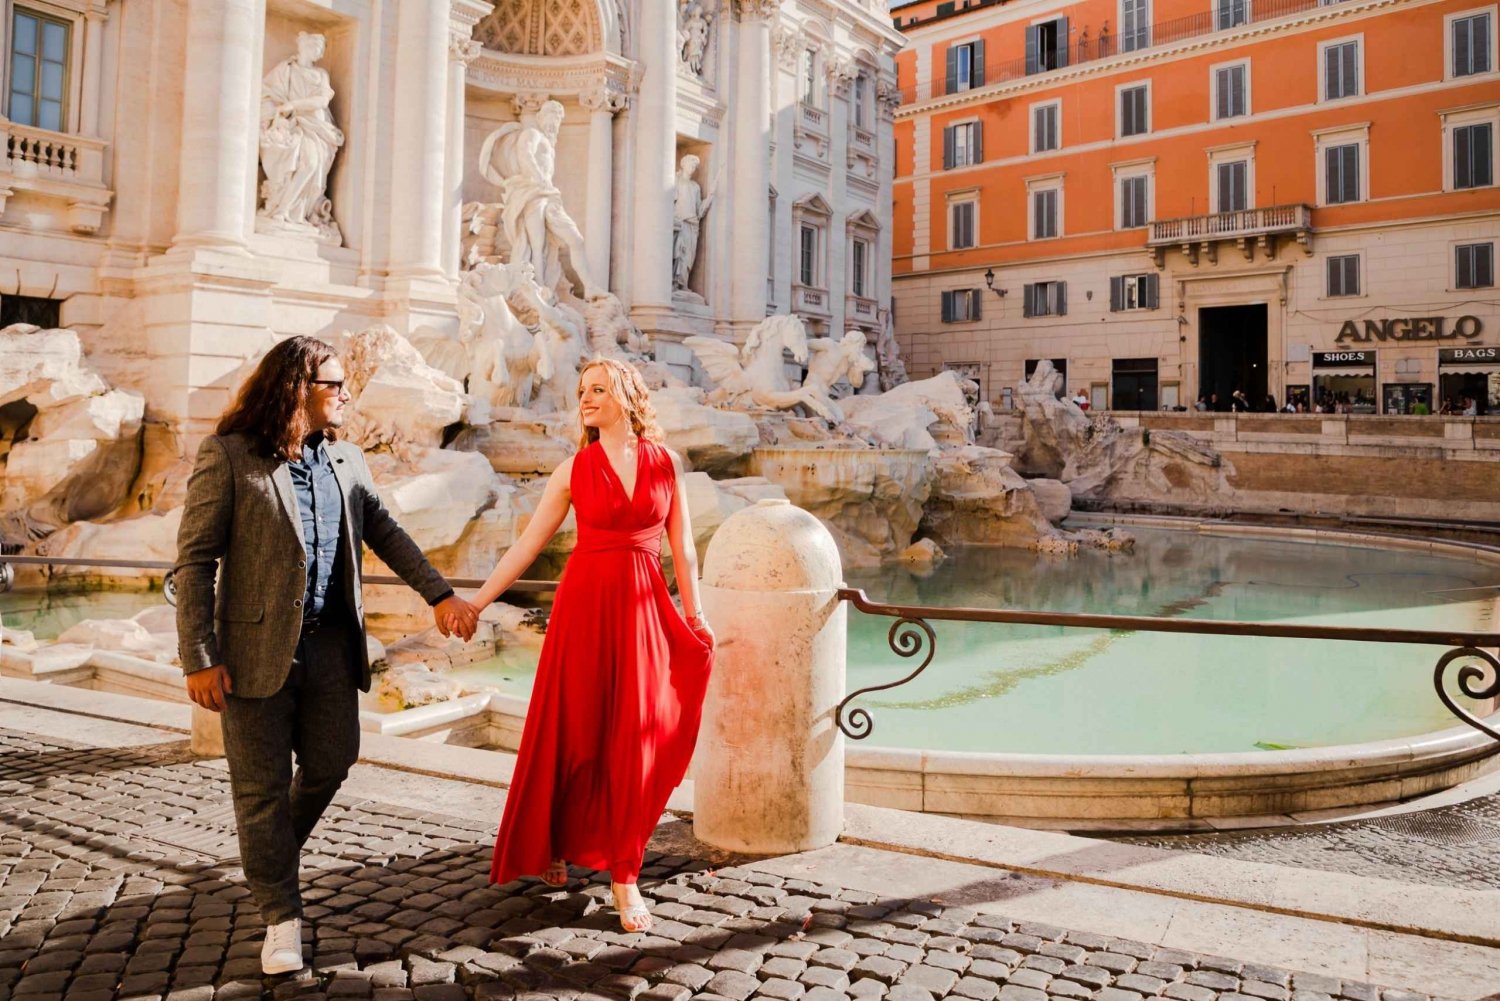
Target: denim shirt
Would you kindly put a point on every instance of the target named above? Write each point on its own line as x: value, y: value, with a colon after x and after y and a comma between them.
x: 322, y: 508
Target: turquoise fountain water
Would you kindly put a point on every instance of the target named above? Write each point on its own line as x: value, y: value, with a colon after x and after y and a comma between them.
x: 1004, y: 688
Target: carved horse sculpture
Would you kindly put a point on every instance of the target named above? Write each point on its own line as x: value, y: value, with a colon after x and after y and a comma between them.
x: 755, y: 375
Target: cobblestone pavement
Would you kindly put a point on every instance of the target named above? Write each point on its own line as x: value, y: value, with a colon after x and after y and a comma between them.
x: 1456, y: 846
x: 114, y: 883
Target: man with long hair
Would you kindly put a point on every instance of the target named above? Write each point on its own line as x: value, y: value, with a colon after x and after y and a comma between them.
x: 279, y: 510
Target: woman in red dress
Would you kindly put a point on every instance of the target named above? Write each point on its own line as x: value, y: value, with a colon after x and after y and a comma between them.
x: 619, y: 689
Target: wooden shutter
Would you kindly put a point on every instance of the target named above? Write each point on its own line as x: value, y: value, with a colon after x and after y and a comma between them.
x: 1062, y: 298
x: 1464, y: 267
x: 1331, y: 72
x: 1221, y: 97
x: 948, y: 153
x: 1484, y: 171
x: 1349, y: 68
x: 1152, y: 287
x: 1116, y: 293
x: 952, y: 70
x: 947, y: 307
x: 976, y: 73
x: 1028, y: 300
x: 974, y: 301
x: 976, y: 143
x: 1061, y: 43
x: 1335, y: 277
x: 1484, y: 265
x: 1033, y: 50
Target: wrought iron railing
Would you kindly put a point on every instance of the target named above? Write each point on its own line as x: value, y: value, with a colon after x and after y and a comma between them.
x: 911, y: 633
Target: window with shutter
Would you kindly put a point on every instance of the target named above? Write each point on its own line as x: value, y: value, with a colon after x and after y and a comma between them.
x: 1116, y: 294
x: 1044, y: 214
x: 1230, y: 92
x: 961, y: 233
x: 1153, y: 283
x: 1044, y: 128
x: 946, y: 298
x: 1028, y: 300
x: 1047, y: 46
x: 1475, y: 265
x: 1134, y: 111
x: 1342, y: 180
x: 1231, y: 186
x: 1133, y: 201
x: 1343, y: 275
x: 1341, y: 70
x: 1472, y: 147
x: 1230, y: 13
x: 1471, y: 44
x: 948, y: 151
x: 808, y: 270
x: 1135, y: 25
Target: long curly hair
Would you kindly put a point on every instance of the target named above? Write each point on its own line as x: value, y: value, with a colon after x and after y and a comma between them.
x: 626, y: 386
x: 272, y: 404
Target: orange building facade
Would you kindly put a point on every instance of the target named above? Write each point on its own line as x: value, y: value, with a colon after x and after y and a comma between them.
x: 1175, y: 200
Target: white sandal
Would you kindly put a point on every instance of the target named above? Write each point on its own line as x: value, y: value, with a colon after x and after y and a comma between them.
x: 633, y: 917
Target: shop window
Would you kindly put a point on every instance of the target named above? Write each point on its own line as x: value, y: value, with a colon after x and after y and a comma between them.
x: 1135, y: 113
x: 960, y: 305
x: 1343, y: 275
x: 1473, y: 155
x: 1045, y: 299
x: 1470, y: 44
x: 1474, y: 266
x: 1232, y: 91
x: 1135, y: 25
x: 1341, y: 70
x: 1406, y: 398
x: 965, y: 66
x: 1045, y: 130
x: 39, y: 70
x: 1135, y: 384
x: 1132, y: 292
x: 963, y: 145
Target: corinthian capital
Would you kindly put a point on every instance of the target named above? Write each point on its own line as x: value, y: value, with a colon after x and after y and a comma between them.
x: 463, y: 50
x: 752, y: 9
x: 603, y: 97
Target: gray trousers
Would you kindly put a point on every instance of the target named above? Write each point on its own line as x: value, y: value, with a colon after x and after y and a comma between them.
x: 314, y: 717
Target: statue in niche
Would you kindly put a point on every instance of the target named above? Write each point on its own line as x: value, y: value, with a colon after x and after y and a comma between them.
x: 519, y: 159
x: 298, y: 141
x: 693, y: 32
x: 689, y: 207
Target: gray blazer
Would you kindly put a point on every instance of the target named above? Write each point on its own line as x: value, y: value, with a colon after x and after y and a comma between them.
x: 241, y: 523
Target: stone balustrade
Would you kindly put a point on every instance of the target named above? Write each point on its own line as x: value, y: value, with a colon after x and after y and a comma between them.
x: 1479, y: 435
x: 68, y: 167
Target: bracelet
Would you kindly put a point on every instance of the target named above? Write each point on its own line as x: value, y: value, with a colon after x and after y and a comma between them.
x: 696, y: 619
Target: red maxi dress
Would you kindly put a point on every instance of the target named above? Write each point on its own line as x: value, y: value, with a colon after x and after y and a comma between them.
x: 619, y: 688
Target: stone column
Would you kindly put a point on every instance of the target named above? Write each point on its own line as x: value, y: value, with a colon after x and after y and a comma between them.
x: 601, y: 103
x: 462, y: 51
x: 769, y: 774
x: 655, y: 156
x: 220, y: 123
x: 417, y: 179
x: 93, y: 64
x: 752, y: 161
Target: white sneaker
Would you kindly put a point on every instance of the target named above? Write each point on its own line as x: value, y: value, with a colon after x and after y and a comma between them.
x: 282, y: 952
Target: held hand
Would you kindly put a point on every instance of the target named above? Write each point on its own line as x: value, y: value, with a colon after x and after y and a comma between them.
x: 701, y: 630
x: 209, y: 687
x: 455, y: 616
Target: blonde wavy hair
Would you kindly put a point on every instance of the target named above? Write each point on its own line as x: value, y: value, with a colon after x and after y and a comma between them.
x: 626, y: 386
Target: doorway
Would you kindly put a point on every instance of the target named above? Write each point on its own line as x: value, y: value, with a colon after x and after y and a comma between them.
x: 1232, y: 352
x: 1135, y: 383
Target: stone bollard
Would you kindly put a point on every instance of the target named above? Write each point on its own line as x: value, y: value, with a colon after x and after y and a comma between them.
x: 207, y: 740
x: 769, y: 775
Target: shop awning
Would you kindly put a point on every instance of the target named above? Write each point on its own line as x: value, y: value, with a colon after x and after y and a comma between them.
x: 1469, y: 368
x: 1352, y: 370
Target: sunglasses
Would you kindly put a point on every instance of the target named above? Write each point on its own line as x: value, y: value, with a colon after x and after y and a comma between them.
x: 337, y: 384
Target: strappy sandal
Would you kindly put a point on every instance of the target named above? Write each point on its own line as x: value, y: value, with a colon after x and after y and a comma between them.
x: 556, y: 874
x: 633, y: 917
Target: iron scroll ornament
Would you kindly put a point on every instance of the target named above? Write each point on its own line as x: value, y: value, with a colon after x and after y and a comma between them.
x: 1469, y: 676
x: 906, y: 639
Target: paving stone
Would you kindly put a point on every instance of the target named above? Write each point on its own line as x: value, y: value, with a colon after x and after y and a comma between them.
x: 1257, y: 989
x: 1114, y: 962
x: 1316, y: 982
x: 824, y: 976
x: 781, y: 989
x: 1301, y: 995
x: 880, y: 968
x: 976, y: 989
x: 867, y: 989
x: 905, y: 992
x: 1089, y: 976
x: 1012, y: 992
x: 1115, y: 994
x: 987, y: 969
x: 824, y: 994
x: 1359, y: 991
x: 957, y: 962
x: 838, y: 959
x: 1068, y: 989
x: 689, y: 975
x: 1162, y: 971
x: 1049, y: 965
x: 440, y: 992
x: 1030, y: 978
x: 666, y: 992
x: 733, y: 984
x: 932, y: 979
x: 1140, y: 983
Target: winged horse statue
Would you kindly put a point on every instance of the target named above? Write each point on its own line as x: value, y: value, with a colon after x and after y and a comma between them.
x: 755, y: 374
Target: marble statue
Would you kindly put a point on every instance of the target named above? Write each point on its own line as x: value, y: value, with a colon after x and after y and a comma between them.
x: 505, y: 359
x: 298, y: 141
x: 611, y: 333
x: 693, y: 32
x: 689, y: 208
x: 829, y: 361
x: 519, y: 159
x: 755, y: 375
x: 561, y: 333
x: 888, y: 354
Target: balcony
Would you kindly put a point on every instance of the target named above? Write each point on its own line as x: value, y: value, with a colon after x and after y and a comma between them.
x: 1248, y: 229
x: 810, y: 301
x: 56, y: 166
x: 860, y: 310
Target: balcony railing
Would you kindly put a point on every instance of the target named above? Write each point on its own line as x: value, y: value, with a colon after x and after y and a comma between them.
x: 806, y: 299
x: 58, y: 164
x: 1093, y: 45
x: 1231, y: 225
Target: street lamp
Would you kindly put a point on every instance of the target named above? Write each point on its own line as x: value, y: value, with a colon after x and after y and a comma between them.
x: 989, y: 283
